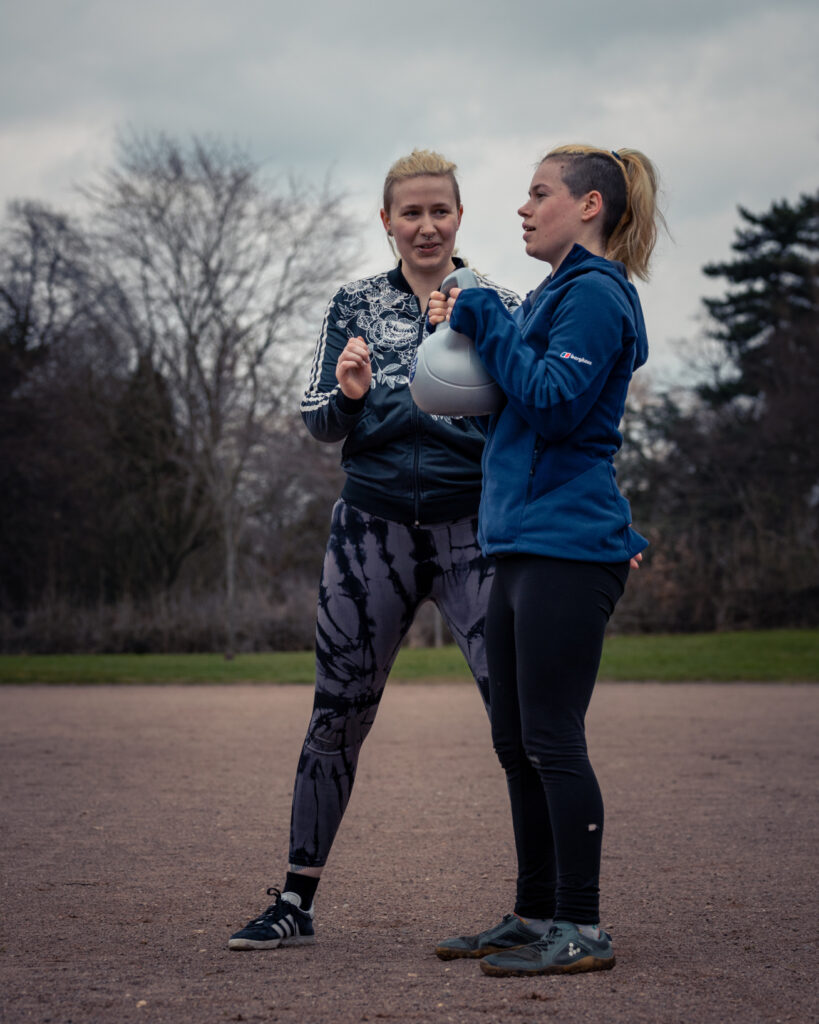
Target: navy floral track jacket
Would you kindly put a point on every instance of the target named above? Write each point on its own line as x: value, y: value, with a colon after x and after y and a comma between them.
x: 401, y: 464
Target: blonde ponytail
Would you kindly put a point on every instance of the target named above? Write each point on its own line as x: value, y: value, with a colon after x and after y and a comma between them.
x: 633, y: 239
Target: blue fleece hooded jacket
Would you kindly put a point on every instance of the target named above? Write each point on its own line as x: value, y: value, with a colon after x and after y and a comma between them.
x: 564, y: 360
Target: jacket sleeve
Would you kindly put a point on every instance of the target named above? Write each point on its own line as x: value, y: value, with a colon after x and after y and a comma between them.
x: 328, y: 413
x: 552, y: 390
x: 511, y: 300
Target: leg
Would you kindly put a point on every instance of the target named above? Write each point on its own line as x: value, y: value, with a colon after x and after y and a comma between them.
x: 530, y: 813
x: 561, y: 612
x: 461, y: 592
x: 366, y: 604
x: 367, y: 601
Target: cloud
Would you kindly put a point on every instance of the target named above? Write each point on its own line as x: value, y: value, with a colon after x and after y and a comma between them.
x: 720, y: 93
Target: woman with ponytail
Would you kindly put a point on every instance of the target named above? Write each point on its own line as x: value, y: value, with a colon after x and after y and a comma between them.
x: 560, y: 532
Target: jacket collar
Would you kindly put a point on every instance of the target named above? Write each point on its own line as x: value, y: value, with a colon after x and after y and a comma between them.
x: 576, y: 256
x: 397, y: 279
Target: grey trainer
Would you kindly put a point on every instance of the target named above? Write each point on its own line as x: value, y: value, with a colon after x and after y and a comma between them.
x: 562, y: 950
x: 511, y: 933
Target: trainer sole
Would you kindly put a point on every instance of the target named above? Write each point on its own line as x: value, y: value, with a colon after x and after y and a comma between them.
x: 294, y: 940
x: 588, y: 963
x: 446, y: 953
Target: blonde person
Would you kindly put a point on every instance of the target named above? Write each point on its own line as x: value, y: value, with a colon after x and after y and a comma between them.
x: 560, y: 532
x: 403, y: 531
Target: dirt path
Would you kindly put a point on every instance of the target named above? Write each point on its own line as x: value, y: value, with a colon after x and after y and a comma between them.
x: 141, y: 825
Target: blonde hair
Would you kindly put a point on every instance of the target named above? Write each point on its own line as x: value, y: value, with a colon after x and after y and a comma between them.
x: 628, y: 182
x: 420, y: 162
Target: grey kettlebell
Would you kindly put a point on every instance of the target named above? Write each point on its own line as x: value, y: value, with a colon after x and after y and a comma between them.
x: 446, y: 377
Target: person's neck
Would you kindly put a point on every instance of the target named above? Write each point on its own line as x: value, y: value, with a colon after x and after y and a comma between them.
x: 423, y: 285
x: 592, y: 244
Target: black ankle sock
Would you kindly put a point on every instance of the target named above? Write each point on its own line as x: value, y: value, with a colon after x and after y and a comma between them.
x: 302, y: 885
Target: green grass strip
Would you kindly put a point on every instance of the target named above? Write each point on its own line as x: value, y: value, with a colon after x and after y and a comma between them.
x: 782, y: 655
x: 778, y: 655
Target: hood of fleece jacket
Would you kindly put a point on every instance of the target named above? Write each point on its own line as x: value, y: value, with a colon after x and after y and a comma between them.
x: 580, y: 262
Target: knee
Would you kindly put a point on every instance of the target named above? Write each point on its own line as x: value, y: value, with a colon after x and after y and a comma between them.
x: 511, y: 755
x: 333, y: 734
x: 551, y: 748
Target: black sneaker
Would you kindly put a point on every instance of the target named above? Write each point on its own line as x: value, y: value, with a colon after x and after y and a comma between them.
x: 510, y: 933
x: 284, y: 923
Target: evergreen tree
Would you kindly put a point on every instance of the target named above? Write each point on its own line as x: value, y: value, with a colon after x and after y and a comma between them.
x: 726, y: 482
x: 772, y: 294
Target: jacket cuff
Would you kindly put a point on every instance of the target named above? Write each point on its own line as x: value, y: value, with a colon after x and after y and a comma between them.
x: 349, y: 406
x: 468, y: 311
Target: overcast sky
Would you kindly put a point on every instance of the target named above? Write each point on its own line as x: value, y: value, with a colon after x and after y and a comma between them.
x: 722, y: 94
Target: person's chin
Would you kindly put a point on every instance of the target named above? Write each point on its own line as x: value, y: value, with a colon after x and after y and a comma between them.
x: 431, y: 260
x: 533, y: 251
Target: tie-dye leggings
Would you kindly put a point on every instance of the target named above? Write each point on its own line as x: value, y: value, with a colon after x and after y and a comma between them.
x: 376, y: 575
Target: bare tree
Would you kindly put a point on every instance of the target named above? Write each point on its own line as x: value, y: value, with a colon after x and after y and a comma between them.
x: 48, y: 332
x: 217, y: 278
x: 47, y: 287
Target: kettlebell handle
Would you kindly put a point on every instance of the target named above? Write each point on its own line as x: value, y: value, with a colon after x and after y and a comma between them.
x: 462, y: 277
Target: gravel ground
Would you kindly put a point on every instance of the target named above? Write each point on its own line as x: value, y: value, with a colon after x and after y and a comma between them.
x: 141, y: 825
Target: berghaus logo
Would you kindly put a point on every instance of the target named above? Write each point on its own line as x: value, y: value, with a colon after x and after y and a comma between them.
x: 577, y: 359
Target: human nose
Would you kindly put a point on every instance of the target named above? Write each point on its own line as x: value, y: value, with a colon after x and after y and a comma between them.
x: 428, y: 225
x: 525, y: 210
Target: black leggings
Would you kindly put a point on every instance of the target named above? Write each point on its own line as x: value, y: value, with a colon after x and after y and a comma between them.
x: 544, y: 637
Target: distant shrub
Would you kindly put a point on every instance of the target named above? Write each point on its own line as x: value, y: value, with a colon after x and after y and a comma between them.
x: 176, y: 623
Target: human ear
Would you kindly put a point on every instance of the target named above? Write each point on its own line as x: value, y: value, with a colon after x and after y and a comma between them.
x: 592, y: 205
x: 385, y: 220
